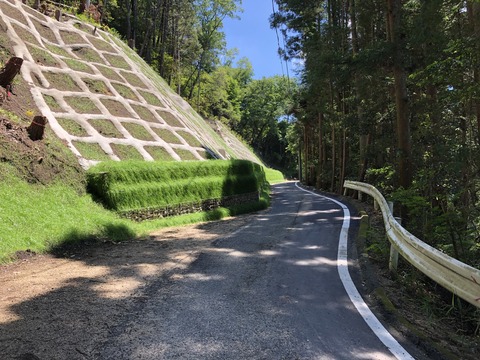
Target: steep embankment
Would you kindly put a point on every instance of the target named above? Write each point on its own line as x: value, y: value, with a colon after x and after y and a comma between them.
x: 99, y: 97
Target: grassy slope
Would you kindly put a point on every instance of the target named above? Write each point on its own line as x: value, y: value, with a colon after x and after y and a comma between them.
x: 48, y: 207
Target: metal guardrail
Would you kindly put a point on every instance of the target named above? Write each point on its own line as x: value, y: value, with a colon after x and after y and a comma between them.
x: 461, y: 279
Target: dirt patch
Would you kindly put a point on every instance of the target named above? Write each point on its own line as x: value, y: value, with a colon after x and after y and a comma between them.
x: 62, y: 307
x: 36, y: 161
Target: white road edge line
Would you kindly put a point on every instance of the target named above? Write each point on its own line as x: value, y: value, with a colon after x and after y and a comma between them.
x: 342, y: 265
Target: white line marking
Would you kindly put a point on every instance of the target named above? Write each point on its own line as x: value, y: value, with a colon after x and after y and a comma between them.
x: 342, y: 265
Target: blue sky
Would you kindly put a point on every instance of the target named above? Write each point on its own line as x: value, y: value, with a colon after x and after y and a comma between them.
x: 254, y: 39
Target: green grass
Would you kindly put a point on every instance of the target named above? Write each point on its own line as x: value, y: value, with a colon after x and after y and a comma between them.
x: 82, y: 105
x: 42, y: 218
x: 167, y: 135
x: 38, y: 218
x: 185, y: 155
x: 52, y: 103
x: 57, y: 50
x: 125, y: 91
x: 61, y: 81
x: 97, y: 86
x: 189, y: 138
x: 106, y: 128
x: 134, y: 185
x: 72, y: 127
x: 138, y: 131
x: 159, y: 153
x: 126, y: 152
x: 78, y: 66
x: 91, y: 151
x: 109, y: 73
x: 43, y: 57
x: 133, y: 79
x: 274, y: 176
x: 144, y: 113
x: 117, y: 61
x: 150, y: 98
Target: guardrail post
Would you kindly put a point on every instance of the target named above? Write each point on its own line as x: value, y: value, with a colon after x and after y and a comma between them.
x: 359, y: 195
x: 393, y: 260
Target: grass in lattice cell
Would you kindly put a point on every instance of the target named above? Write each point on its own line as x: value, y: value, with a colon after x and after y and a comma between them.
x: 125, y: 91
x: 43, y: 57
x: 115, y: 108
x: 72, y: 127
x: 150, y: 98
x: 117, y: 61
x: 89, y: 55
x: 126, y: 152
x: 52, y: 103
x: 144, y: 113
x: 106, y: 128
x: 167, y: 135
x: 109, y: 73
x: 57, y: 50
x: 159, y: 153
x: 78, y: 66
x: 101, y: 44
x: 185, y: 155
x: 190, y: 139
x: 61, y: 81
x: 133, y: 79
x: 170, y: 119
x: 82, y: 105
x: 138, y: 131
x: 70, y: 37
x: 91, y: 151
x: 97, y: 86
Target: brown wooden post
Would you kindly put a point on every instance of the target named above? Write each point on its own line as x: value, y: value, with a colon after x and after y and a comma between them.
x: 10, y: 70
x: 58, y: 14
x: 37, y: 128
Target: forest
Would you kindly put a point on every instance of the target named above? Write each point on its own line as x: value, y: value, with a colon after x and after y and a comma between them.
x: 388, y: 93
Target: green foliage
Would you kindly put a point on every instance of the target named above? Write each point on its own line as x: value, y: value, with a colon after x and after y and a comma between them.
x: 381, y: 178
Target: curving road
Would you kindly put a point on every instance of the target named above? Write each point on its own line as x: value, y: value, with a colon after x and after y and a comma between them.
x: 271, y: 290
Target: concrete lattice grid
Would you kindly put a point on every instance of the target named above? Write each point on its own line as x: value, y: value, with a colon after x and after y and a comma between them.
x: 85, y: 80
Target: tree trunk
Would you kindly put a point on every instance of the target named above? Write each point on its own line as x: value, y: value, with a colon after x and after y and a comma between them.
x: 473, y: 9
x: 401, y: 99
x: 10, y: 70
x: 320, y: 151
x: 334, y: 163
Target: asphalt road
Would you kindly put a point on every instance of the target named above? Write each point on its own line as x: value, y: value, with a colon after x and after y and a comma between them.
x: 271, y: 290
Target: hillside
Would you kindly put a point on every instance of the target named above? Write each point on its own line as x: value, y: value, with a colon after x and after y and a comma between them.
x: 100, y: 99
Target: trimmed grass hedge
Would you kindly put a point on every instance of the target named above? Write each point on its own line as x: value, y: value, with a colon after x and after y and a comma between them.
x: 134, y: 185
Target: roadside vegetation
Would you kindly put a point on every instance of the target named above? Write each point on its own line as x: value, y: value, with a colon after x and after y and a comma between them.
x: 40, y: 218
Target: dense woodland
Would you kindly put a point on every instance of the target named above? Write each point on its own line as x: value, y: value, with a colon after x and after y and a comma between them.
x: 390, y: 95
x: 388, y: 92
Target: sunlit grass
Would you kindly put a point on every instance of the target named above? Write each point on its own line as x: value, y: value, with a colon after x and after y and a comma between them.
x: 41, y: 218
